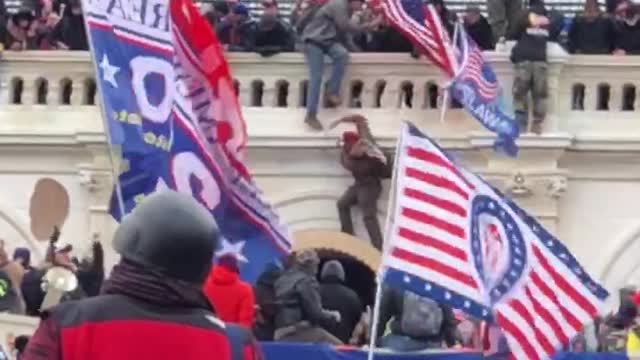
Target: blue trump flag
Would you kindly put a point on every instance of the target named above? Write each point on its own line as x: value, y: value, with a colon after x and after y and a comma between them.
x: 172, y: 113
x: 475, y: 85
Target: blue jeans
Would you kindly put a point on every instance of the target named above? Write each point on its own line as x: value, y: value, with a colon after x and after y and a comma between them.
x: 406, y: 344
x: 315, y: 60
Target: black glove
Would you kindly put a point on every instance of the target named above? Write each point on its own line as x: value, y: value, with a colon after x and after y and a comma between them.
x: 55, y: 235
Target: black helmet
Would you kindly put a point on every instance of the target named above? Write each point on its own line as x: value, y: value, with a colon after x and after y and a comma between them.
x: 172, y: 232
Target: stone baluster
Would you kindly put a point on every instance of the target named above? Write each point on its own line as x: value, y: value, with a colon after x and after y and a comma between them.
x: 270, y: 93
x: 419, y: 95
x: 5, y: 90
x: 294, y: 94
x: 54, y: 93
x: 29, y: 90
x: 78, y: 89
x: 368, y: 95
x: 391, y: 95
x: 615, y: 98
x: 590, y: 96
x: 244, y: 95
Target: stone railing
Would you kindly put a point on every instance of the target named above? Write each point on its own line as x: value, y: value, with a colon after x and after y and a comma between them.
x: 590, y: 96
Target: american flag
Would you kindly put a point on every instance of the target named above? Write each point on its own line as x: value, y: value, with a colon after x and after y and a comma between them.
x: 474, y: 69
x: 421, y: 24
x: 455, y: 239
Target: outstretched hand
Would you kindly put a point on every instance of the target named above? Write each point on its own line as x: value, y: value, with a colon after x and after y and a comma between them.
x: 354, y: 119
x: 55, y: 235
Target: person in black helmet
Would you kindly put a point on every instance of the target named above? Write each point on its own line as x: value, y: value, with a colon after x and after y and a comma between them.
x: 152, y: 306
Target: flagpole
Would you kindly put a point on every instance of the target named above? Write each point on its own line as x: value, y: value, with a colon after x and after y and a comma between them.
x: 105, y: 121
x: 444, y: 105
x: 445, y: 97
x: 387, y: 228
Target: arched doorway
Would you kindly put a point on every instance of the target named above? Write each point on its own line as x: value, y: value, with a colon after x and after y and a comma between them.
x: 359, y: 259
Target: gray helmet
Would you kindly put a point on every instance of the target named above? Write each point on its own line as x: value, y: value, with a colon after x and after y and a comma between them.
x: 171, y: 232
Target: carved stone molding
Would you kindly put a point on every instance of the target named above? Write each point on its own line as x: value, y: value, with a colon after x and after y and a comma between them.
x: 518, y: 186
x: 94, y: 180
x: 557, y: 187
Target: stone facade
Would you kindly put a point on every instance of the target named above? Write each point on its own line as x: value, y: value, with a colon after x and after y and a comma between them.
x: 581, y: 177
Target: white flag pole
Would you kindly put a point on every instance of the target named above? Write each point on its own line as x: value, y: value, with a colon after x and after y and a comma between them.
x: 445, y: 98
x: 444, y: 105
x: 391, y: 210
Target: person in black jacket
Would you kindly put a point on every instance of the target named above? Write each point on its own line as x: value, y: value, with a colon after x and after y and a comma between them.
x: 337, y: 296
x: 272, y: 34
x: 448, y: 18
x: 300, y: 316
x: 238, y: 30
x: 405, y: 335
x: 69, y: 33
x: 529, y: 56
x: 265, y: 294
x: 479, y: 29
x: 592, y: 32
x: 386, y: 39
x: 627, y: 30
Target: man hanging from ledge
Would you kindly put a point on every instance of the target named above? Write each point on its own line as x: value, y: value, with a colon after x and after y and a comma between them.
x: 369, y: 165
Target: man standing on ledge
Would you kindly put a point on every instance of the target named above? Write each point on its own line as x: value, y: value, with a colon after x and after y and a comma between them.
x: 324, y: 27
x: 368, y: 165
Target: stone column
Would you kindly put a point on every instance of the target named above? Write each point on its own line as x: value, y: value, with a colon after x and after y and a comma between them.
x: 97, y: 179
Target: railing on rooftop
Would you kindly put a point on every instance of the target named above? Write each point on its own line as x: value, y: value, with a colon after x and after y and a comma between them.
x: 589, y: 95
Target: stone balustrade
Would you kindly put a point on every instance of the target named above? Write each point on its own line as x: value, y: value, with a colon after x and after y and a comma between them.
x: 590, y: 96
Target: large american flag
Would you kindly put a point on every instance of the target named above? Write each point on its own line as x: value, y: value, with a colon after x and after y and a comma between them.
x: 455, y: 239
x: 421, y: 24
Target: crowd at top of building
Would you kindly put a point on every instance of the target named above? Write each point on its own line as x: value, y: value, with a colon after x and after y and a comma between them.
x: 265, y: 27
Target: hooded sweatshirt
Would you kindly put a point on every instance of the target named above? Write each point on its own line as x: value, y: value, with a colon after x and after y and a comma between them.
x: 531, y: 38
x: 337, y: 296
x: 232, y: 299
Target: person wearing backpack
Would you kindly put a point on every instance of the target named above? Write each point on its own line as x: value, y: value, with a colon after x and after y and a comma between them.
x: 368, y: 165
x: 323, y: 25
x: 417, y: 323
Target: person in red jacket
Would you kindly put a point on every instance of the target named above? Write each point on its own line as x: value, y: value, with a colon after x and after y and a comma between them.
x: 232, y: 298
x: 152, y: 306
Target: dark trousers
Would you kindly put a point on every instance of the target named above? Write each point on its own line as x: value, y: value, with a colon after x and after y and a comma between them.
x: 366, y: 197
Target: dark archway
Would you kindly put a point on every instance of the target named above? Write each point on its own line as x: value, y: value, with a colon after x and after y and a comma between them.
x: 359, y: 276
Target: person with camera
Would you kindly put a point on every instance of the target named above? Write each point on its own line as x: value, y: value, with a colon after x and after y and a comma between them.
x: 153, y: 304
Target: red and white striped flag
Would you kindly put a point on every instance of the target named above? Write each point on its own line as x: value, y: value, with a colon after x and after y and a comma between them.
x: 455, y: 239
x: 421, y: 24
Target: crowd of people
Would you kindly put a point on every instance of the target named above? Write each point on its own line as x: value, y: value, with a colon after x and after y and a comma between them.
x: 45, y: 25
x: 296, y: 301
x: 165, y: 276
x: 335, y: 28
